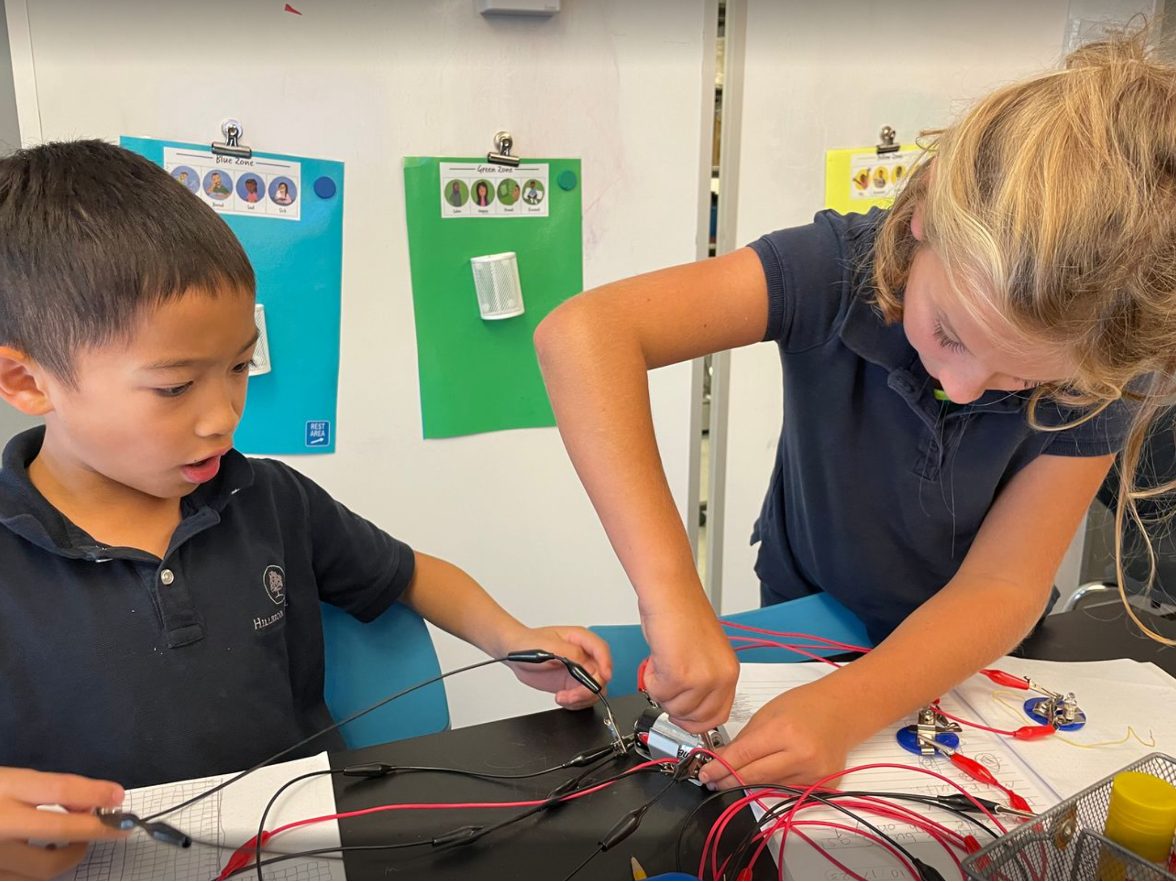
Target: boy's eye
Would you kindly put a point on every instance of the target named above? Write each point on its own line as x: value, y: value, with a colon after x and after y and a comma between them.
x: 173, y: 391
x: 244, y: 366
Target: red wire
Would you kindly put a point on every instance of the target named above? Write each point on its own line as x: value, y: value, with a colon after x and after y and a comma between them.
x: 800, y: 800
x: 835, y: 644
x: 867, y: 801
x: 964, y: 722
x: 876, y: 805
x: 842, y: 867
x: 721, y: 823
x: 528, y: 803
x: 772, y: 644
x: 865, y: 834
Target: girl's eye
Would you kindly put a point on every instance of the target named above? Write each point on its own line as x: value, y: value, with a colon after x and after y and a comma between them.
x: 945, y: 341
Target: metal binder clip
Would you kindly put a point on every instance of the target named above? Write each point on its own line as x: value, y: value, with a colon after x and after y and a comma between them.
x: 232, y: 145
x: 1059, y: 711
x: 503, y: 141
x: 887, y: 145
x: 925, y: 730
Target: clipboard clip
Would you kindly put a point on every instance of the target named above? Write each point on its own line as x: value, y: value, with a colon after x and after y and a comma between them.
x: 500, y: 155
x: 886, y: 141
x: 232, y: 146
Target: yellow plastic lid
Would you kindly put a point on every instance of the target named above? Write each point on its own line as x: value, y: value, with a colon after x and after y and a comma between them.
x: 1144, y: 802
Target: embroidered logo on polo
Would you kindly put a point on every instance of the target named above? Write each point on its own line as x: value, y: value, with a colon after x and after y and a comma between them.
x: 274, y: 582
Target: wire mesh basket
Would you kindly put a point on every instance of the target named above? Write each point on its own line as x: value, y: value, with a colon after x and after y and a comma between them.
x: 1067, y: 842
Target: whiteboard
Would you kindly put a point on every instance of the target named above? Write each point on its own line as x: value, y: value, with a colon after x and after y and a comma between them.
x: 622, y: 85
x: 819, y: 76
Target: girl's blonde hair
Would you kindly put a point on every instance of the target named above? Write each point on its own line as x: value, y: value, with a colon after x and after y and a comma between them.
x: 1052, y: 204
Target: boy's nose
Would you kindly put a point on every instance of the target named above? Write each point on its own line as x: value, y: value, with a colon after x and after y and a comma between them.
x: 218, y: 418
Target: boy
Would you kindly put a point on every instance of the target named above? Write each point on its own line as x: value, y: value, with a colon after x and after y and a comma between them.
x: 159, y: 596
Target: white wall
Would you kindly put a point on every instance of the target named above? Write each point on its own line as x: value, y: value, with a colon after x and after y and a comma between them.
x: 828, y: 75
x: 11, y: 420
x: 9, y: 129
x: 619, y: 84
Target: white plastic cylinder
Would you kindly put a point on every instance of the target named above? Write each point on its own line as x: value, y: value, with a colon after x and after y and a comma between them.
x: 261, y: 354
x: 496, y: 281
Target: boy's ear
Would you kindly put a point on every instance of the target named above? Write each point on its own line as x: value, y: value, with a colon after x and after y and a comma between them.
x: 22, y: 383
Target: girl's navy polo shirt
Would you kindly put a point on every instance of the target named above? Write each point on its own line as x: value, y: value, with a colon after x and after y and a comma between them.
x: 123, y: 666
x: 879, y: 489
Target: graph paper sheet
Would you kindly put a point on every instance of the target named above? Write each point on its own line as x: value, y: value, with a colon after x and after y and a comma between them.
x: 228, y: 819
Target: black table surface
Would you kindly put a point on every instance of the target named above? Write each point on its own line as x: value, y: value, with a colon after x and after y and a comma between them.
x: 548, y: 845
x: 1100, y: 632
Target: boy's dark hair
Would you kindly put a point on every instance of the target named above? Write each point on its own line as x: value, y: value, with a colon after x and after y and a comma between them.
x: 92, y: 235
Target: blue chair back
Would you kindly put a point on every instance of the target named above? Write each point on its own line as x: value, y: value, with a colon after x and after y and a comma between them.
x: 367, y: 662
x: 818, y: 614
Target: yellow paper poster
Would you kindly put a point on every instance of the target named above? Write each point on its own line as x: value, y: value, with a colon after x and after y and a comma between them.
x: 859, y: 179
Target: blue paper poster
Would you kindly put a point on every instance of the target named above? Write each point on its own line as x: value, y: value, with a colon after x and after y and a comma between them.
x: 287, y: 211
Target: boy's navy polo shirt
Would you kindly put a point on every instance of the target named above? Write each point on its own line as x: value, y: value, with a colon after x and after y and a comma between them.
x: 119, y: 665
x: 879, y: 488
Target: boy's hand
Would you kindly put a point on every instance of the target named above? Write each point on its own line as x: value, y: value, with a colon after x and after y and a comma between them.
x: 692, y: 670
x: 578, y: 644
x: 796, y: 738
x: 21, y: 791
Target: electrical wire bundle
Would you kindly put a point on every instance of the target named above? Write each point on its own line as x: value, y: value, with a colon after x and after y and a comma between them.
x: 785, y: 815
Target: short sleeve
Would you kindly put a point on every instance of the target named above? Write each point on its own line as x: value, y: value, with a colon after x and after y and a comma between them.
x: 809, y: 272
x: 1102, y: 434
x: 359, y: 568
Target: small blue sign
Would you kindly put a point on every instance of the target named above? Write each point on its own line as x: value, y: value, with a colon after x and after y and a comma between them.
x: 318, y: 433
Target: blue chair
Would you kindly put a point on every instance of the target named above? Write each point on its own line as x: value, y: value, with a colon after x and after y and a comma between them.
x: 818, y: 614
x: 367, y: 662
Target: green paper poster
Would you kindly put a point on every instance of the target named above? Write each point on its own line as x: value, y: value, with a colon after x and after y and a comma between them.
x: 481, y: 375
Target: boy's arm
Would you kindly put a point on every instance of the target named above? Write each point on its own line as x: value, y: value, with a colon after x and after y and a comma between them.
x: 450, y: 598
x: 363, y: 570
x: 991, y: 604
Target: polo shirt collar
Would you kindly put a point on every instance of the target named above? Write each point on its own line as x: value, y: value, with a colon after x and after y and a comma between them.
x: 29, y: 514
x: 867, y: 334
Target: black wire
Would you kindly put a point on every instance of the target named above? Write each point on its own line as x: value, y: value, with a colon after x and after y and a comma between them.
x: 778, y: 810
x: 470, y: 773
x: 639, y: 813
x: 577, y: 786
x: 585, y: 862
x: 281, y: 753
x: 568, y: 663
x: 315, y: 852
x: 931, y: 802
x: 795, y: 791
x: 346, y: 848
x: 269, y: 805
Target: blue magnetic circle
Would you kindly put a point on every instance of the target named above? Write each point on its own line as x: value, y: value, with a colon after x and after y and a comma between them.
x: 907, y: 741
x: 324, y: 188
x: 1042, y: 721
x: 567, y: 179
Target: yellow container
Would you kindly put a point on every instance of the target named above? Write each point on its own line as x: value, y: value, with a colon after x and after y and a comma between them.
x: 1142, y: 815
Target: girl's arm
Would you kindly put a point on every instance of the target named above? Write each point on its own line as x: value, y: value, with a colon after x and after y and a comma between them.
x: 594, y: 351
x: 998, y: 594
